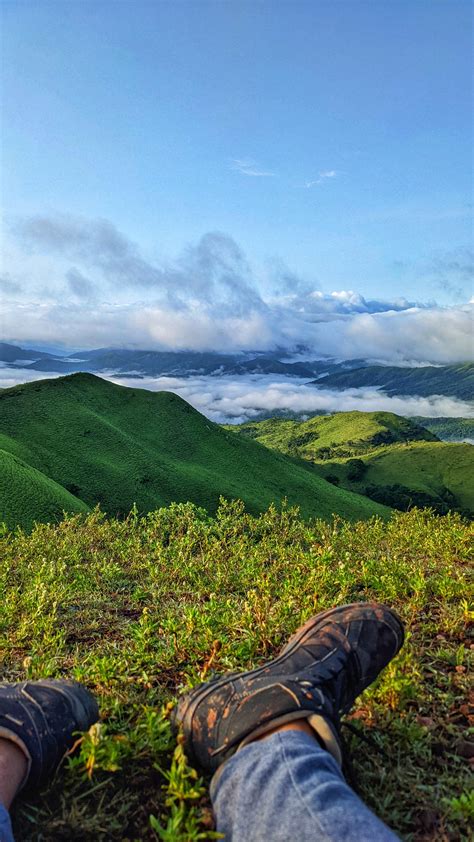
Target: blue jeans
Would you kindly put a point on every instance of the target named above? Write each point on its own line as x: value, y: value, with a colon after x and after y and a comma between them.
x: 281, y: 789
x: 6, y: 834
x: 286, y: 788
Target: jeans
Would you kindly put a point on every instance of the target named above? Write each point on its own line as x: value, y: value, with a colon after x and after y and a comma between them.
x: 282, y: 789
x: 6, y: 834
x: 286, y: 788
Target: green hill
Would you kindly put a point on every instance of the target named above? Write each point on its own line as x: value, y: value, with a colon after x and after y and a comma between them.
x: 27, y: 495
x: 117, y: 446
x: 327, y: 436
x: 453, y: 380
x: 384, y: 456
x: 435, y: 474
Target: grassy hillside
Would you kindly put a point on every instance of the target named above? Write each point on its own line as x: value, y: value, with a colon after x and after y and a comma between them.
x: 436, y: 474
x: 454, y: 380
x: 384, y: 456
x: 116, y: 446
x: 448, y: 429
x: 139, y: 609
x: 327, y: 436
x: 27, y: 495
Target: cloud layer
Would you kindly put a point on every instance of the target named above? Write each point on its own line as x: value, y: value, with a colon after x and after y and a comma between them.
x: 236, y: 399
x: 84, y: 284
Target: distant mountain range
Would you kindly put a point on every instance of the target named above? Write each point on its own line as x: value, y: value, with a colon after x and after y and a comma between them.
x: 167, y: 363
x: 69, y: 443
x: 450, y: 380
x: 448, y: 429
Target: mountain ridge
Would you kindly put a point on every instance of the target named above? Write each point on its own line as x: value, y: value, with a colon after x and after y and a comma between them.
x: 456, y: 380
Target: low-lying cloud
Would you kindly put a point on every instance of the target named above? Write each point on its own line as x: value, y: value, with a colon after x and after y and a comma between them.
x: 84, y: 284
x: 237, y: 399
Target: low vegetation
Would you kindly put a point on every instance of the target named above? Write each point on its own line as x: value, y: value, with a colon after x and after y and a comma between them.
x: 143, y: 607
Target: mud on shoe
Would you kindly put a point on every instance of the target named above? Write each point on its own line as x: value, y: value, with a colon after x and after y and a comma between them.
x: 42, y: 717
x: 317, y: 676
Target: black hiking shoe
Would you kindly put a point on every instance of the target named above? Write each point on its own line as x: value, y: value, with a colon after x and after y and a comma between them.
x: 41, y: 717
x: 317, y: 676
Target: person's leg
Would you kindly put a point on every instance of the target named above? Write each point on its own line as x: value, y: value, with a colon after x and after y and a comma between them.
x: 13, y: 771
x: 271, y: 735
x: 38, y: 723
x: 287, y: 787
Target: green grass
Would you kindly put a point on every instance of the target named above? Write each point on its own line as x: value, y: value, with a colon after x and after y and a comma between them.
x: 389, y: 458
x: 115, y: 446
x: 140, y: 608
x: 439, y: 474
x: 23, y: 488
x: 327, y: 436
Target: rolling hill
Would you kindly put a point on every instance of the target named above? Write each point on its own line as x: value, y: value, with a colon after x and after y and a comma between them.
x: 327, y: 436
x: 435, y: 474
x: 452, y: 380
x: 384, y: 456
x: 108, y: 444
x: 27, y: 495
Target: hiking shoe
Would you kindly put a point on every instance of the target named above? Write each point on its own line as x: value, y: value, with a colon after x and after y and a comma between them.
x: 317, y: 676
x: 41, y: 717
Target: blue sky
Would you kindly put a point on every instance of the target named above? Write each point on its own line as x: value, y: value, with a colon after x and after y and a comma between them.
x: 329, y: 140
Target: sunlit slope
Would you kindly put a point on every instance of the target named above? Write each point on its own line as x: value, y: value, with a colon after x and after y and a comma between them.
x: 438, y: 474
x: 116, y: 446
x: 341, y: 434
x: 379, y: 454
x: 27, y: 495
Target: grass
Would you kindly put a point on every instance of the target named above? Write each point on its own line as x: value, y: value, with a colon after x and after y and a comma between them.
x: 439, y: 472
x: 141, y: 608
x: 118, y: 447
x: 342, y: 434
x: 26, y: 490
x: 377, y: 454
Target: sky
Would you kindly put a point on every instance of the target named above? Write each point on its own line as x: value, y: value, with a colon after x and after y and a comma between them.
x: 238, y: 175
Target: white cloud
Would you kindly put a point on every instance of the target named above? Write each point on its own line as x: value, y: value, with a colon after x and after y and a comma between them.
x: 84, y: 284
x: 416, y: 335
x: 322, y: 176
x: 237, y: 399
x: 249, y: 167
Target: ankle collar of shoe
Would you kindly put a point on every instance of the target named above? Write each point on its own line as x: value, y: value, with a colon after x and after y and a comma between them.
x: 325, y: 732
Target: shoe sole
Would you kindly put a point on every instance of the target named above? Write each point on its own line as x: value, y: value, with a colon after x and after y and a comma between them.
x: 195, y: 697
